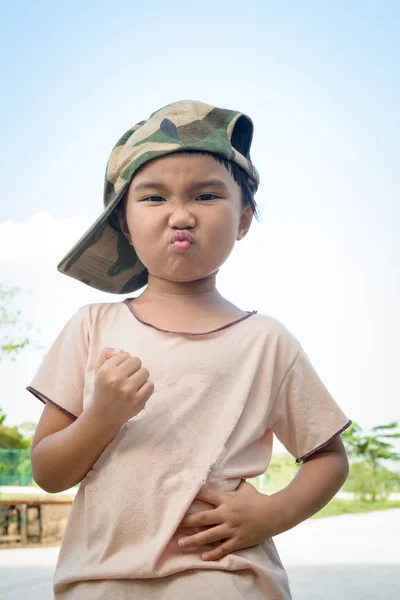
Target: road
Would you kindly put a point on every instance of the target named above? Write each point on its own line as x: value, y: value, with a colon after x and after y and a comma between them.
x: 351, y: 557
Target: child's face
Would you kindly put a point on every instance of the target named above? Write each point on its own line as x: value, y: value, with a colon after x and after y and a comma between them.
x: 185, y: 193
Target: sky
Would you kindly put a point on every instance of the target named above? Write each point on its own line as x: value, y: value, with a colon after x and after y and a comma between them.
x: 321, y: 83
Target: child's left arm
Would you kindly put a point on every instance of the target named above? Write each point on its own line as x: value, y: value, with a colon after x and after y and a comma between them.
x: 317, y: 481
x: 245, y: 517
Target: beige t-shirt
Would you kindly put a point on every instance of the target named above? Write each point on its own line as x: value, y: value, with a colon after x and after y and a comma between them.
x: 218, y: 399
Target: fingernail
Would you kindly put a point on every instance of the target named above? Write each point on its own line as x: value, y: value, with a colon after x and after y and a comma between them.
x: 181, y: 543
x: 204, y: 556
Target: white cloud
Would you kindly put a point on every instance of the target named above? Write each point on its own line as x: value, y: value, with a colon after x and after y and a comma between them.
x: 40, y: 237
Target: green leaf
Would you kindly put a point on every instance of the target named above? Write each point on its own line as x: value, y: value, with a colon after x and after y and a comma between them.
x: 392, y: 425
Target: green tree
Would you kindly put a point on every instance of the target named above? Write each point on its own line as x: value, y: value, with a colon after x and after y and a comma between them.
x: 12, y: 437
x: 11, y: 341
x: 369, y: 452
x: 27, y: 430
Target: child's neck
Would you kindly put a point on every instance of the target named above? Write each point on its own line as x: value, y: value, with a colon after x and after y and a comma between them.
x: 185, y: 306
x: 203, y: 291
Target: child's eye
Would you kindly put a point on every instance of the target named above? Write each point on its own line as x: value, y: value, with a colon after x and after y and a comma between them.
x: 207, y: 197
x: 154, y: 199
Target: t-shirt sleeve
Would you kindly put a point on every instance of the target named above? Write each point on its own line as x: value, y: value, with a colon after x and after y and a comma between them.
x: 61, y: 376
x: 304, y: 416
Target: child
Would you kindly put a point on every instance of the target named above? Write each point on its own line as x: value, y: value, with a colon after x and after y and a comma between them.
x: 164, y: 404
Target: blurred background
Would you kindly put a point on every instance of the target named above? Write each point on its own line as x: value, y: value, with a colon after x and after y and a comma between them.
x: 321, y: 82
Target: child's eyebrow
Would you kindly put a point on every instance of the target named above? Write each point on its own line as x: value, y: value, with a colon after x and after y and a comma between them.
x: 216, y: 183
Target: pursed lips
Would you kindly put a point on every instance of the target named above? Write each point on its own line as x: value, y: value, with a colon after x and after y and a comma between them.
x: 182, y: 236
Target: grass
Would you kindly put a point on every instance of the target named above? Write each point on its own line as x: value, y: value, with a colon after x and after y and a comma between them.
x: 336, y: 506
x: 350, y: 507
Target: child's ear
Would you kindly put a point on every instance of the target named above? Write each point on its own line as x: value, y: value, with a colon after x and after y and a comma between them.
x: 245, y: 222
x: 120, y: 215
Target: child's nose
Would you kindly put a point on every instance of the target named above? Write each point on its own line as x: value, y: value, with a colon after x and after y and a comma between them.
x: 181, y: 218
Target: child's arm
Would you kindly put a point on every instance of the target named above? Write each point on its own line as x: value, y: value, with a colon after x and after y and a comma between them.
x: 317, y: 481
x: 64, y: 450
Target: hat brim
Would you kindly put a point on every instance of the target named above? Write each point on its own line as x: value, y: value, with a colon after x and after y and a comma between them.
x: 104, y: 259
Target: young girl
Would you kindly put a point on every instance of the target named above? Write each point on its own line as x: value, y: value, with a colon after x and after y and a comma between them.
x: 162, y: 405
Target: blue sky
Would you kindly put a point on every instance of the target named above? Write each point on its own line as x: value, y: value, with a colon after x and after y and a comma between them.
x: 320, y: 81
x: 76, y: 75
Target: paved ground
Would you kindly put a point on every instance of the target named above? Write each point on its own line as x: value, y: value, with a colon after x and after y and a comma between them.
x: 352, y: 557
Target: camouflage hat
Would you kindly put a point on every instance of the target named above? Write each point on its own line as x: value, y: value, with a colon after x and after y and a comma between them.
x: 103, y: 258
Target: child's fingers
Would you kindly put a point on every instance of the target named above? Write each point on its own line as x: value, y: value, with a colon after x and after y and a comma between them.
x: 139, y: 377
x: 106, y: 354
x: 204, y: 518
x: 129, y: 366
x: 211, y: 535
x: 223, y: 550
x: 144, y: 393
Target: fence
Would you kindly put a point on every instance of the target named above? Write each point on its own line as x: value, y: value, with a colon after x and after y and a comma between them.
x: 15, y: 467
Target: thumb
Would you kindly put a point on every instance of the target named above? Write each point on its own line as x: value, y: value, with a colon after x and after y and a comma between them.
x: 105, y: 355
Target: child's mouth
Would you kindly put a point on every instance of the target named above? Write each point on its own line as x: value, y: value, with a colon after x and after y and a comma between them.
x: 185, y: 245
x: 181, y: 240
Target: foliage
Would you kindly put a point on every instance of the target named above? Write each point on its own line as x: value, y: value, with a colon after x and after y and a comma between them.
x: 369, y: 483
x: 11, y: 343
x: 369, y: 478
x: 372, y: 446
x: 27, y: 430
x: 281, y: 471
x: 12, y: 437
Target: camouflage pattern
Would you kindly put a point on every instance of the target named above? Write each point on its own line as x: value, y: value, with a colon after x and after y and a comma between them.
x: 103, y: 257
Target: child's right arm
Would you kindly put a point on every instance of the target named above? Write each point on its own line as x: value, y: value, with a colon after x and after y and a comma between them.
x: 63, y: 449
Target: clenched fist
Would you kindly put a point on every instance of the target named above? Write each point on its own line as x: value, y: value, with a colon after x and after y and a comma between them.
x: 121, y: 386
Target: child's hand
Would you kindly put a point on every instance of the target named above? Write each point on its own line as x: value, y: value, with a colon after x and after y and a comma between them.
x: 121, y: 386
x: 242, y: 518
